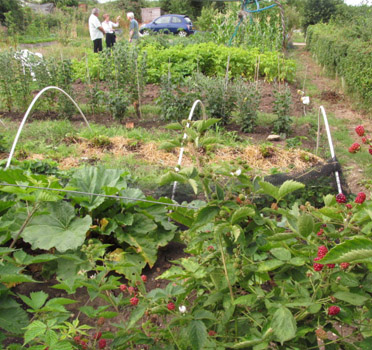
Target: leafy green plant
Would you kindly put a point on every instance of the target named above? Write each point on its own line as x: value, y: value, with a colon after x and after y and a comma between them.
x: 282, y: 104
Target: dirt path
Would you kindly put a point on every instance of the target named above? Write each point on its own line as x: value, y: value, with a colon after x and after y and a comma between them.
x: 331, y: 96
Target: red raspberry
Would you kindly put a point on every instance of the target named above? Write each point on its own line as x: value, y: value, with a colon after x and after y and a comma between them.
x: 341, y: 198
x: 84, y: 345
x: 123, y: 287
x: 364, y: 139
x: 322, y: 251
x: 344, y: 266
x: 210, y: 248
x: 144, y: 278
x: 360, y: 130
x: 331, y: 266
x: 212, y: 333
x: 171, y: 306
x: 370, y: 151
x: 131, y: 290
x: 321, y: 231
x: 349, y: 206
x: 77, y: 339
x: 361, y: 197
x: 333, y: 310
x: 97, y: 336
x: 354, y: 148
x: 134, y: 301
x: 317, y: 267
x: 102, y: 343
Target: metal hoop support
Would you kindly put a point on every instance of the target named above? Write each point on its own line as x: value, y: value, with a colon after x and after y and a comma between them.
x: 28, y: 112
x: 331, y: 148
x: 191, y: 114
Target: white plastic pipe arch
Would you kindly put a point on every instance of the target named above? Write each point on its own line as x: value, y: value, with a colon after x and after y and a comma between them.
x: 28, y: 112
x: 191, y: 114
x: 331, y: 148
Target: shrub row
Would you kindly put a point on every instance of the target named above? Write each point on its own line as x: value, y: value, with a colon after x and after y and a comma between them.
x: 344, y: 56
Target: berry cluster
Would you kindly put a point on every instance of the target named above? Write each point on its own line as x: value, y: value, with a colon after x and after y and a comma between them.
x: 322, y: 251
x: 84, y: 343
x: 133, y: 291
x: 355, y: 147
x: 360, y: 198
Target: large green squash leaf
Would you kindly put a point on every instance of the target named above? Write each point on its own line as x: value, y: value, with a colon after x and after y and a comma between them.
x: 59, y: 229
x: 355, y: 250
x: 95, y: 180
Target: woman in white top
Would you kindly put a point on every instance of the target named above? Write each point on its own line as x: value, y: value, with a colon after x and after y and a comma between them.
x: 109, y: 26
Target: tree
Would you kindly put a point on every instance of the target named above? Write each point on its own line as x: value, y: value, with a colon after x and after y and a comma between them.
x: 7, y: 6
x: 316, y: 11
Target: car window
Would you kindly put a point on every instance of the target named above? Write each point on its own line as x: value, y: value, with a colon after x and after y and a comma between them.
x: 163, y: 20
x: 176, y: 20
x: 188, y: 20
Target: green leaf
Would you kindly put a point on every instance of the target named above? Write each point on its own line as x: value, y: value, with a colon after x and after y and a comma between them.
x: 12, y: 317
x: 170, y: 177
x: 269, y: 189
x: 197, y: 334
x: 241, y: 214
x: 354, y: 250
x: 35, y: 329
x: 59, y: 229
x: 288, y: 187
x: 351, y: 298
x: 135, y: 316
x: 206, y: 215
x: 269, y: 265
x: 281, y: 253
x: 94, y: 180
x: 174, y: 126
x: 284, y: 325
x: 36, y: 299
x: 305, y: 225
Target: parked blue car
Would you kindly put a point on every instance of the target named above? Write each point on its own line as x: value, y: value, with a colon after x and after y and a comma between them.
x: 172, y: 24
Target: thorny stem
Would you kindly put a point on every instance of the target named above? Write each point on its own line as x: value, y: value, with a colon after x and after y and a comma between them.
x: 174, y: 339
x: 225, y: 268
x: 25, y: 223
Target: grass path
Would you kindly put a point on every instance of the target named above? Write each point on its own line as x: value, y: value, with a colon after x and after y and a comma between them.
x: 342, y: 115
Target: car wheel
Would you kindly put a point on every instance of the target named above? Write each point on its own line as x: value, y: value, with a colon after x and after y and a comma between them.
x: 182, y: 33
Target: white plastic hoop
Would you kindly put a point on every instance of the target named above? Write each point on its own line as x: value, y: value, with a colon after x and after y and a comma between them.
x: 28, y: 112
x: 331, y: 148
x: 191, y: 114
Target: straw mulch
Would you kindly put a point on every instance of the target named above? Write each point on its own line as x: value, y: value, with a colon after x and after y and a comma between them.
x: 119, y: 147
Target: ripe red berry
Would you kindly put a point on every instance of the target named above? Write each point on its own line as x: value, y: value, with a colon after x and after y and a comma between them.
x: 341, y: 198
x: 331, y: 266
x: 360, y: 130
x: 84, y: 345
x: 102, y: 343
x: 360, y: 198
x: 144, y: 278
x: 171, y: 306
x: 370, y: 151
x: 349, y: 206
x: 322, y: 251
x: 333, y: 310
x: 318, y: 267
x: 321, y: 231
x: 97, y: 336
x: 123, y: 287
x: 131, y: 290
x: 134, y: 301
x: 77, y: 339
x: 210, y: 248
x: 344, y: 265
x: 354, y: 148
x: 212, y: 333
x: 364, y: 139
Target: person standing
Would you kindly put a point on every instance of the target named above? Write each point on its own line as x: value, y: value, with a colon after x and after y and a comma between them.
x: 133, y: 27
x: 108, y: 27
x: 96, y: 31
